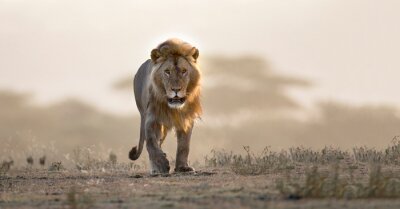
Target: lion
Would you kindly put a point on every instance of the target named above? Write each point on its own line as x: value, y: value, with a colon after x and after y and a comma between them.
x: 167, y: 93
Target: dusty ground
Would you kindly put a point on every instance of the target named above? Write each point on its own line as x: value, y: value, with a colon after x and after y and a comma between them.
x: 207, y: 188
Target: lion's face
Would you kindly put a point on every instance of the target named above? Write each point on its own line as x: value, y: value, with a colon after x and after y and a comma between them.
x: 177, y: 77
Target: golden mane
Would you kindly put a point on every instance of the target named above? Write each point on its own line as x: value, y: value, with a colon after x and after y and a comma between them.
x: 174, y: 49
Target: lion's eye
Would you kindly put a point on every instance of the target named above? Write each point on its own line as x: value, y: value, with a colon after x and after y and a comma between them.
x: 167, y: 72
x: 184, y: 71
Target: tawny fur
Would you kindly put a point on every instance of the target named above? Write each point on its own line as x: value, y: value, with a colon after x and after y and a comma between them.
x: 172, y: 52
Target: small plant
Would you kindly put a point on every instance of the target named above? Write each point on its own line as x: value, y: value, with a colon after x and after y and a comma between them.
x: 85, y: 159
x: 112, y: 158
x: 219, y: 158
x: 29, y: 160
x: 56, y: 166
x: 42, y: 160
x: 5, y: 166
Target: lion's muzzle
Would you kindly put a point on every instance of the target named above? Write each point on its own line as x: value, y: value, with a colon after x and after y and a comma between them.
x: 176, y: 102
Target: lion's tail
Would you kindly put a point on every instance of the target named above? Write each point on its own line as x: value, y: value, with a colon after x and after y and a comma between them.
x: 134, y: 154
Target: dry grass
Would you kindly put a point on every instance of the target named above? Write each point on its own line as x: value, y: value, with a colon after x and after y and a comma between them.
x: 391, y: 155
x: 267, y: 161
x: 78, y: 200
x: 326, y: 173
x: 87, y: 160
x: 99, y: 180
x: 335, y: 184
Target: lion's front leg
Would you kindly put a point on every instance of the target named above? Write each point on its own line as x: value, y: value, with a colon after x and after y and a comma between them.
x: 182, y: 152
x: 158, y: 159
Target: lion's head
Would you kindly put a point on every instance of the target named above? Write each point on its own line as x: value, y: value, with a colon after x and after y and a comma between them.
x: 175, y: 75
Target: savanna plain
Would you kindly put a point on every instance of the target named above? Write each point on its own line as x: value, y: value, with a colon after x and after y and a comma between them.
x: 298, y: 177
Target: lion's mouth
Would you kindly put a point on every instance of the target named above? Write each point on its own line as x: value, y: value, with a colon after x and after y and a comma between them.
x: 176, y: 100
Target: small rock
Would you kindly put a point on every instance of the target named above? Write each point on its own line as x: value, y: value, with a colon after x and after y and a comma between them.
x: 293, y: 197
x: 136, y: 176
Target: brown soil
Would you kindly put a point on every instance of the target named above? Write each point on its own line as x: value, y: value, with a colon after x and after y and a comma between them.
x: 204, y: 189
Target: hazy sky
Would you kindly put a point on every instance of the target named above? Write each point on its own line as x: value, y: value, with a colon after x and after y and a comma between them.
x: 64, y: 48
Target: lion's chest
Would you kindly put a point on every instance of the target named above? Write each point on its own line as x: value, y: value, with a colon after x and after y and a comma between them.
x: 175, y: 119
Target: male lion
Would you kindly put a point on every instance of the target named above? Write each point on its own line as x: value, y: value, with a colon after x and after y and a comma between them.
x: 167, y: 93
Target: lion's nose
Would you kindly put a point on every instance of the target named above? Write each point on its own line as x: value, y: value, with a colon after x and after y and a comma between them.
x: 176, y: 90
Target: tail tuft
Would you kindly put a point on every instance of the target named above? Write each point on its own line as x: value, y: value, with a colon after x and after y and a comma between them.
x: 133, y: 154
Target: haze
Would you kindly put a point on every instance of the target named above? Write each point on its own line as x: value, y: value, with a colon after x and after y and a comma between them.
x: 320, y: 72
x: 348, y: 49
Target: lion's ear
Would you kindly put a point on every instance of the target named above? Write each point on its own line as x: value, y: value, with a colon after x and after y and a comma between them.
x: 155, y: 54
x: 195, y: 53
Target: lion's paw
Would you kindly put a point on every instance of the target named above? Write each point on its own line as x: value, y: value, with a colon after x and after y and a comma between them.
x: 184, y: 169
x: 159, y: 165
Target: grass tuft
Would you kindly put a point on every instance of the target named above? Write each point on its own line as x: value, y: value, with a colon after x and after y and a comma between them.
x: 333, y: 184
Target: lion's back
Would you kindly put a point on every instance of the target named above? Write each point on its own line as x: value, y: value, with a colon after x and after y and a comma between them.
x: 140, y: 84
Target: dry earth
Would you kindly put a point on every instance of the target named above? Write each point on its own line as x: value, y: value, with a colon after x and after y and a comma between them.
x: 208, y: 188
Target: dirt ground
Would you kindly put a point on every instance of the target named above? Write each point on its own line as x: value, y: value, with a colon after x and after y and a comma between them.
x: 208, y: 188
